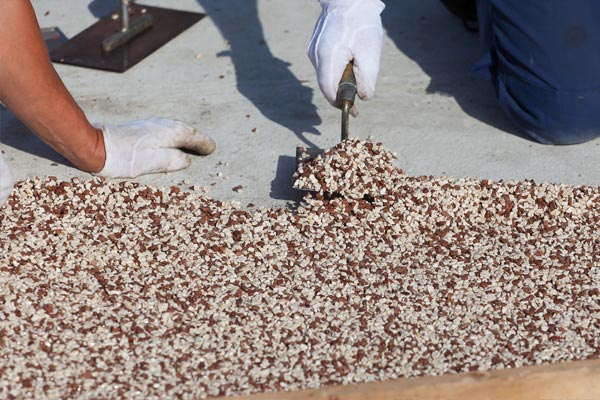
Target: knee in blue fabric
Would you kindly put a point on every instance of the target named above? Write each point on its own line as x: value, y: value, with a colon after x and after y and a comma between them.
x: 542, y: 57
x: 547, y: 116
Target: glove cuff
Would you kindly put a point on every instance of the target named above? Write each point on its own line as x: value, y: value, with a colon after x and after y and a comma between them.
x: 6, y: 181
x: 106, y: 170
x: 376, y: 5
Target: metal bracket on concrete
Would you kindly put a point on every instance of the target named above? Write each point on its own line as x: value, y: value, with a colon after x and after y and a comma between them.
x: 53, y: 37
x: 125, y: 37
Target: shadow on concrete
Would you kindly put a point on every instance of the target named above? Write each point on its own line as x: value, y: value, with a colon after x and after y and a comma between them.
x: 439, y: 43
x: 101, y: 8
x: 15, y: 134
x: 281, y: 185
x: 261, y: 77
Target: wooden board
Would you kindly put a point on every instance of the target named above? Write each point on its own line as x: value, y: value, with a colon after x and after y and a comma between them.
x: 567, y: 381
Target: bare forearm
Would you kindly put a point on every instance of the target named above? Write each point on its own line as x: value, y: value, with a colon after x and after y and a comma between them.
x: 33, y: 91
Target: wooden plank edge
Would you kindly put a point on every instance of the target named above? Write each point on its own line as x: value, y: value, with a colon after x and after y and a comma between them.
x: 579, y: 380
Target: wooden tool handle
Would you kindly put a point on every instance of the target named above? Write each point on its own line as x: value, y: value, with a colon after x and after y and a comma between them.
x: 345, y: 97
x: 347, y: 88
x: 348, y: 75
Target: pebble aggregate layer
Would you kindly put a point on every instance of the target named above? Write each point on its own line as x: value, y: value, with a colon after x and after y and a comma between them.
x: 118, y: 290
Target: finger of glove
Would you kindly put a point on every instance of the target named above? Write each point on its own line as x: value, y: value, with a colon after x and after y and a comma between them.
x: 367, y: 55
x: 6, y: 182
x: 312, y: 46
x: 328, y: 54
x: 159, y: 161
x: 330, y: 71
x: 176, y: 134
x: 199, y: 143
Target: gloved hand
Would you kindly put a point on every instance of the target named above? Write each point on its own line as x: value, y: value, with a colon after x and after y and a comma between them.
x: 347, y: 30
x: 150, y: 146
x: 6, y: 182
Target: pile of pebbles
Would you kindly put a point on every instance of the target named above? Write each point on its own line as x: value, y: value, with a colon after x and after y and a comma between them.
x: 122, y: 290
x: 353, y: 169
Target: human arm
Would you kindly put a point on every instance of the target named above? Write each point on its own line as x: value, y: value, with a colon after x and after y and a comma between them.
x: 33, y: 91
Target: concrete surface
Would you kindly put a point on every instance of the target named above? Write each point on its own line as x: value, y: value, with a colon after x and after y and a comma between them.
x: 439, y: 119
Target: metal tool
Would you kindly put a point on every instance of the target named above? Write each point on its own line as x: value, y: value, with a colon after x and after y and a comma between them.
x: 125, y: 37
x: 346, y: 95
x: 129, y: 30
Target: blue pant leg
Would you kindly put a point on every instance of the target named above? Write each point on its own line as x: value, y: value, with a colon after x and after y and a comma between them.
x: 543, y: 58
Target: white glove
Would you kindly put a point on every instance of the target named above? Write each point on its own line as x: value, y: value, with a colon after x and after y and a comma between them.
x: 6, y: 181
x: 347, y: 30
x: 150, y: 146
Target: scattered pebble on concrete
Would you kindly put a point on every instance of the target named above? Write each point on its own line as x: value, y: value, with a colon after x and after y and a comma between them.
x: 115, y: 289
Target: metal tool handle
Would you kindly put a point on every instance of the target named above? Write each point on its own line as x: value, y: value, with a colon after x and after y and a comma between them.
x: 125, y: 15
x: 130, y: 28
x: 346, y: 95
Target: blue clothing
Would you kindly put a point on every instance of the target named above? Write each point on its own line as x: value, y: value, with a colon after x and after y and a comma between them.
x: 543, y: 57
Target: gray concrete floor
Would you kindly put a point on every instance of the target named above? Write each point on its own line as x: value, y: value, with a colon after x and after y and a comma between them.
x: 438, y: 118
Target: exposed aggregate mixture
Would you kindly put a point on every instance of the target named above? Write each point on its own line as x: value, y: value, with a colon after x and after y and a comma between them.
x: 112, y: 290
